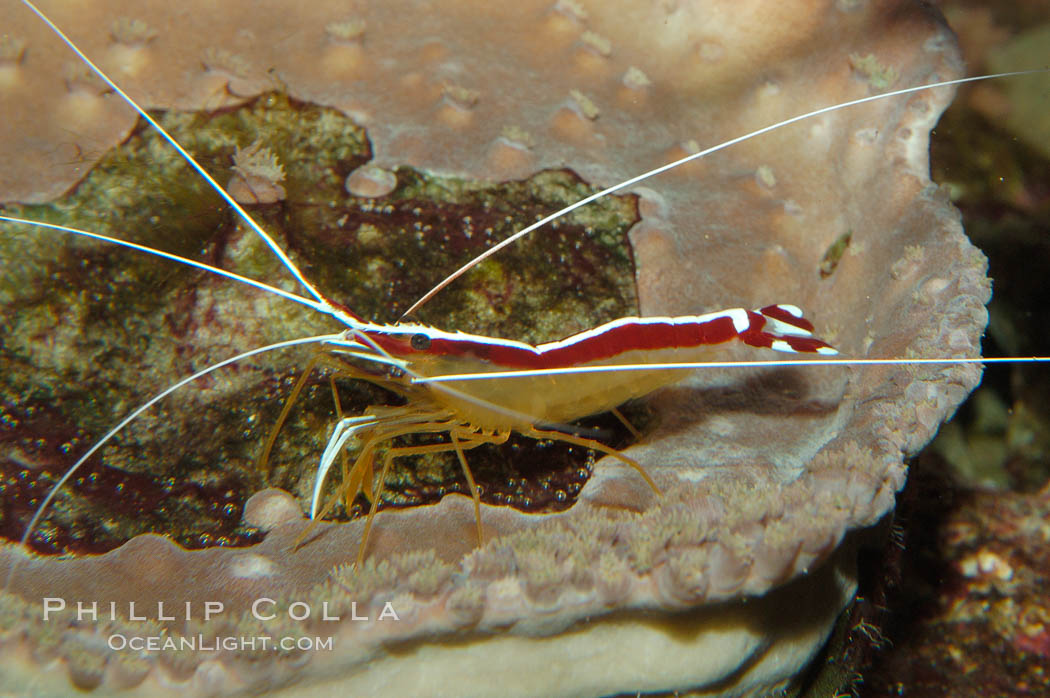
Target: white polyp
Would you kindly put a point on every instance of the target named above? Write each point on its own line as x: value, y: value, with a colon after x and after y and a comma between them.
x: 344, y: 429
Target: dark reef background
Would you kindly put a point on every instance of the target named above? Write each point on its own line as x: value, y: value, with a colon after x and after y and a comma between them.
x: 957, y: 604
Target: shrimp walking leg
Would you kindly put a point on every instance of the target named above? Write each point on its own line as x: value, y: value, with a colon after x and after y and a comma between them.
x: 300, y: 383
x: 597, y: 446
x: 386, y: 428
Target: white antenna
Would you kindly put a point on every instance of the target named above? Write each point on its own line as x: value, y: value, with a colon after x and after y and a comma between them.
x: 270, y: 242
x: 689, y: 158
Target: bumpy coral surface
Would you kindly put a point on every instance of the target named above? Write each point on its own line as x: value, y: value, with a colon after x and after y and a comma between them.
x: 764, y: 472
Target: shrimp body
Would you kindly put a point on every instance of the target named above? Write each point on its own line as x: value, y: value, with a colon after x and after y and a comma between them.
x: 487, y: 411
x: 559, y: 398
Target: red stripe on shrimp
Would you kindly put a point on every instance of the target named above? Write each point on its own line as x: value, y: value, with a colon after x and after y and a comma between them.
x: 604, y: 342
x: 788, y: 314
x: 610, y: 340
x: 795, y: 339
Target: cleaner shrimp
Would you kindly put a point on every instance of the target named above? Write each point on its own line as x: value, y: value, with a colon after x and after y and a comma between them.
x: 213, y: 496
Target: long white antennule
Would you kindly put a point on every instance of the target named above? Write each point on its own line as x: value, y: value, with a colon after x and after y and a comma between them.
x: 689, y: 158
x: 691, y: 365
x: 135, y: 413
x: 373, y: 352
x: 316, y: 305
x: 270, y: 242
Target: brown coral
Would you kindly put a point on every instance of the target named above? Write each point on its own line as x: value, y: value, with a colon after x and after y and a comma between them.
x: 765, y: 473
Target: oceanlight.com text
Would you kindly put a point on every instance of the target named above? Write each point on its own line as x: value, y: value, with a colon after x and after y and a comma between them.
x: 200, y: 643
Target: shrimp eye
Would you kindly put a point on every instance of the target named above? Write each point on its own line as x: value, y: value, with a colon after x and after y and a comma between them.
x: 420, y: 342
